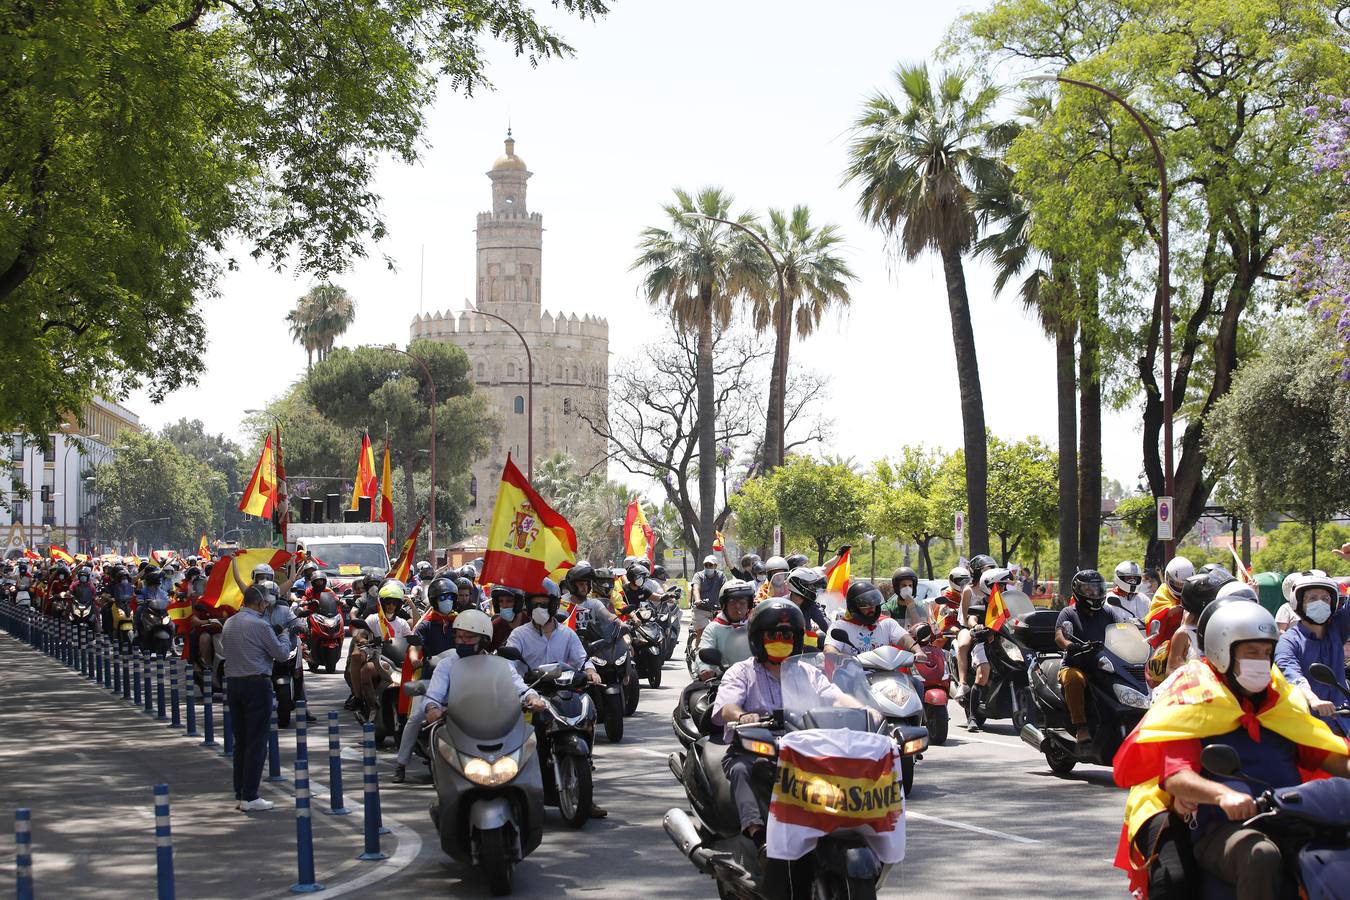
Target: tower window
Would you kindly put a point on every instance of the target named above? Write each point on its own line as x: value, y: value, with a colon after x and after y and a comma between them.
x: 567, y: 406
x: 480, y: 371
x: 518, y: 405
x: 510, y: 370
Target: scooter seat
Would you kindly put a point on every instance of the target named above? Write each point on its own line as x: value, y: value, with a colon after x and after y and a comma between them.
x: 721, y: 813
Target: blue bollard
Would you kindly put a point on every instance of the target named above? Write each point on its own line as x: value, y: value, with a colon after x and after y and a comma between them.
x: 336, y: 806
x: 191, y: 689
x: 160, y: 705
x: 208, y: 720
x: 87, y: 660
x: 304, y: 832
x: 175, y: 697
x: 147, y: 671
x: 136, y: 671
x: 116, y: 669
x: 163, y: 844
x: 301, y: 731
x: 126, y: 671
x: 371, y: 784
x: 227, y: 730
x: 23, y: 853
x: 109, y: 665
x: 104, y: 662
x: 274, y: 748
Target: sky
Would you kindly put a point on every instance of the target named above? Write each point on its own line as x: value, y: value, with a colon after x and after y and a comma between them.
x: 756, y: 96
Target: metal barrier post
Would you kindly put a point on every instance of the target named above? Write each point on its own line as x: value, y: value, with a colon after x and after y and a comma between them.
x: 175, y: 697
x: 191, y: 688
x: 336, y: 807
x: 226, y: 727
x: 163, y: 844
x: 274, y: 748
x: 23, y: 853
x: 371, y: 785
x: 304, y: 832
x: 159, y: 688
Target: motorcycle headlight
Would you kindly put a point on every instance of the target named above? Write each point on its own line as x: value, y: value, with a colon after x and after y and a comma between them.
x: 598, y: 662
x: 892, y: 690
x: 1129, y: 696
x: 621, y: 659
x: 490, y: 774
x: 1011, y: 650
x: 914, y: 745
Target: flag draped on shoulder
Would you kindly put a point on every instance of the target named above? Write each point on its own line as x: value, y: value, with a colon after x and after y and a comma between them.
x: 838, y: 575
x: 385, y: 512
x: 365, y: 473
x: 261, y: 494
x: 996, y: 612
x: 59, y: 554
x: 527, y: 541
x: 402, y: 567
x: 637, y: 534
x: 231, y: 575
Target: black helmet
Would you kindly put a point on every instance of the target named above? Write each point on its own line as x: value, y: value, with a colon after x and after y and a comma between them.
x: 776, y: 614
x: 120, y: 571
x: 547, y: 588
x: 440, y: 587
x: 582, y: 571
x: 604, y: 580
x: 659, y: 573
x: 318, y: 581
x: 748, y: 562
x: 1202, y: 589
x: 500, y: 591
x: 1214, y: 567
x: 191, y: 575
x: 862, y: 594
x: 63, y: 570
x: 796, y: 561
x: 736, y: 590
x: 637, y: 572
x: 151, y: 576
x: 900, y: 575
x: 758, y: 570
x: 308, y: 569
x: 978, y: 565
x: 805, y: 582
x: 1089, y: 588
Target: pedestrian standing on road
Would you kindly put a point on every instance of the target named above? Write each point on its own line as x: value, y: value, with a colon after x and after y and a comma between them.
x: 251, y: 647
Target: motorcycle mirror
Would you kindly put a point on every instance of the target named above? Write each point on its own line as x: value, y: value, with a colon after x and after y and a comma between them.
x: 711, y: 656
x: 510, y: 653
x: 923, y: 633
x: 841, y: 636
x: 1321, y: 673
x: 1221, y: 759
x: 414, y: 640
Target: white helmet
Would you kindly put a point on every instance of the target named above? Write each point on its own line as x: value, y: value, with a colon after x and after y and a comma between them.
x: 1238, y: 590
x: 263, y: 572
x: 271, y: 592
x: 958, y: 577
x: 1287, y: 586
x: 475, y: 621
x: 990, y: 576
x: 1307, y: 580
x: 1128, y: 577
x: 710, y: 560
x: 775, y: 564
x: 1176, y: 573
x: 1231, y: 623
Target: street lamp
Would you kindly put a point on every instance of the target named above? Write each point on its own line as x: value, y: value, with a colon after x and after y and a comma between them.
x: 431, y: 382
x: 780, y: 372
x: 529, y: 390
x: 1164, y: 278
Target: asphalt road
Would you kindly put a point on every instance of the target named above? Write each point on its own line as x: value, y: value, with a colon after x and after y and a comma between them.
x: 986, y: 819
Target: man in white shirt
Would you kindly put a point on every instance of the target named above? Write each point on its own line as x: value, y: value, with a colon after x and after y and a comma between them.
x: 865, y: 627
x: 542, y: 640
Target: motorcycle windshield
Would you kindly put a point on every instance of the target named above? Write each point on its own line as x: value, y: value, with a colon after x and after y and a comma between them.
x: 482, y: 701
x: 1018, y: 604
x: 1125, y: 641
x: 805, y: 686
x: 328, y: 604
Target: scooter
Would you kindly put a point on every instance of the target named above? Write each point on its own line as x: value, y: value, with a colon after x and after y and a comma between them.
x: 895, y: 691
x: 668, y: 617
x: 609, y: 654
x: 1116, y: 698
x: 841, y: 865
x: 648, y: 640
x: 1007, y: 695
x: 566, y: 732
x: 327, y: 626
x: 155, y: 630
x: 489, y: 804
x: 937, y: 685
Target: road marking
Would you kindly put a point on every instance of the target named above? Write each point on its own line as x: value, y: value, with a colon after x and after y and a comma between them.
x: 656, y: 753
x: 966, y: 826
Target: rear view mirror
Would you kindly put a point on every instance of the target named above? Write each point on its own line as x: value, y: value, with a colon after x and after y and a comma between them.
x: 841, y: 636
x: 710, y: 656
x: 510, y: 653
x: 923, y: 633
x: 1221, y: 759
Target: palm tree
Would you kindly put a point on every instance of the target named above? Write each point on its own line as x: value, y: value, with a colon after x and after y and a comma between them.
x: 331, y: 311
x: 815, y: 278
x: 696, y: 268
x: 301, y: 332
x: 917, y: 162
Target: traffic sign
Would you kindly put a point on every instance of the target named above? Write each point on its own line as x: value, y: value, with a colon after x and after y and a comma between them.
x: 1165, y: 514
x: 778, y: 540
x: 959, y: 532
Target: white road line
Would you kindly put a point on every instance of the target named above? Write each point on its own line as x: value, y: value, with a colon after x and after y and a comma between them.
x: 966, y: 826
x: 656, y: 753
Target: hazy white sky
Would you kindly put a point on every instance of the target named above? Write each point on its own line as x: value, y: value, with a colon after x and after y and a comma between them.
x: 754, y: 95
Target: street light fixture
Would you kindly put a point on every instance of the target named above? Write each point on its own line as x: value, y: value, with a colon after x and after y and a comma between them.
x: 431, y: 383
x: 1164, y: 277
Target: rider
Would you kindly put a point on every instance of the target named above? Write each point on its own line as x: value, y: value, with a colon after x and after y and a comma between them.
x: 154, y: 601
x: 804, y: 584
x: 775, y: 579
x: 726, y: 633
x: 472, y: 635
x: 947, y: 604
x: 1200, y: 590
x: 705, y: 591
x: 1164, y: 616
x: 384, y: 625
x: 746, y: 570
x: 436, y: 633
x: 973, y: 594
x: 866, y: 628
x: 466, y: 594
x: 506, y: 605
x: 639, y: 586
x: 902, y: 606
x: 1124, y: 591
x: 1232, y: 697
x: 1318, y: 636
x: 1080, y: 631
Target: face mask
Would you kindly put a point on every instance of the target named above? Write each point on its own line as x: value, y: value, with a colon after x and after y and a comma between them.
x: 777, y: 651
x: 507, y: 614
x: 444, y: 606
x: 1317, y: 612
x: 466, y: 650
x: 1253, y: 674
x: 907, y: 593
x: 540, y: 615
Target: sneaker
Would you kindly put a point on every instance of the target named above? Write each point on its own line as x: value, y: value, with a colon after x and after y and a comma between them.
x: 972, y: 727
x: 598, y: 812
x: 959, y: 693
x: 400, y: 774
x: 258, y: 805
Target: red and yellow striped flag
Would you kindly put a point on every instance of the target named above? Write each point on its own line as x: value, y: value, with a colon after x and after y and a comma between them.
x: 365, y: 473
x: 996, y: 613
x: 402, y: 567
x: 231, y: 575
x: 59, y: 554
x: 528, y: 541
x: 838, y: 575
x: 261, y: 494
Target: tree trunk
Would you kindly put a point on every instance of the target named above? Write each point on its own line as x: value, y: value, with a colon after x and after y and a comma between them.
x: 1067, y: 407
x: 1090, y: 434
x: 773, y: 428
x: 972, y: 403
x: 707, y: 428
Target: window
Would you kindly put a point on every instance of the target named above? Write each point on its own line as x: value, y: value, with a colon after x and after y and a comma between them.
x: 518, y: 406
x: 567, y: 406
x: 49, y: 454
x: 510, y: 370
x: 16, y: 449
x: 480, y: 371
x: 49, y: 497
x: 557, y: 373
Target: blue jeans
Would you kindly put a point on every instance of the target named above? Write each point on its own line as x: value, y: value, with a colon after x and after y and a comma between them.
x: 251, y: 717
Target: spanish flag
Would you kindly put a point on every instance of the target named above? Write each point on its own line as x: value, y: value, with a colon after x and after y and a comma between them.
x: 528, y: 541
x: 261, y: 494
x: 202, y: 551
x: 60, y: 555
x: 385, y: 513
x: 637, y: 534
x: 402, y: 567
x: 365, y: 473
x: 231, y: 575
x: 718, y: 544
x: 837, y: 578
x: 996, y: 613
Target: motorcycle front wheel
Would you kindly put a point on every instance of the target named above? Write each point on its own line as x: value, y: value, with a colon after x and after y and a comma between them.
x: 494, y: 849
x: 613, y: 713
x: 632, y: 692
x: 654, y: 675
x: 575, y: 790
x: 831, y: 886
x: 938, y: 724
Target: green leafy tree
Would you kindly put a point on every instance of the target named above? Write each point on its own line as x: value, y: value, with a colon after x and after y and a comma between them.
x: 918, y: 161
x: 218, y: 454
x: 143, y: 139
x: 823, y: 502
x: 1289, y: 548
x: 152, y: 492
x: 756, y: 509
x: 902, y: 507
x: 320, y: 317
x: 1023, y: 492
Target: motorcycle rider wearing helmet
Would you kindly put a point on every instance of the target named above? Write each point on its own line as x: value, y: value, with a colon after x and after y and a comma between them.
x: 1286, y: 617
x: 972, y: 594
x: 436, y: 634
x: 705, y: 590
x: 1080, y: 631
x: 466, y: 594
x: 639, y: 586
x: 542, y: 640
x: 775, y: 579
x: 746, y: 570
x: 506, y: 613
x: 1124, y: 591
x: 472, y: 636
x: 367, y: 678
x: 750, y: 690
x: 1200, y: 590
x: 944, y: 610
x: 1232, y: 696
x: 583, y: 608
x: 726, y: 633
x: 1318, y: 636
x: 903, y: 605
x: 865, y: 626
x: 804, y: 584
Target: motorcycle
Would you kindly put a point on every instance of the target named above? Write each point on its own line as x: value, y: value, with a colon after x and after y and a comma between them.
x: 668, y: 617
x: 648, y: 641
x: 155, y: 631
x: 1116, y: 699
x: 60, y: 606
x: 388, y: 656
x: 566, y: 732
x: 895, y: 691
x: 1008, y: 693
x: 692, y: 716
x: 327, y: 626
x: 937, y: 685
x: 609, y: 655
x: 842, y: 865
x: 83, y: 614
x: 489, y: 804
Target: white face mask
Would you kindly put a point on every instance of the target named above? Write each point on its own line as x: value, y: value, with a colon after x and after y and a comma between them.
x: 444, y: 606
x: 540, y: 615
x: 1253, y: 674
x: 1317, y: 612
x: 907, y: 593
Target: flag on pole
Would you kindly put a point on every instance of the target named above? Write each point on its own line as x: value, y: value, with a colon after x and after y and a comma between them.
x: 160, y: 557
x: 281, y: 520
x: 996, y: 613
x: 1240, y: 569
x: 365, y: 473
x: 60, y: 555
x: 637, y: 534
x: 202, y: 550
x: 718, y: 543
x: 838, y: 575
x: 260, y: 496
x: 231, y: 575
x: 385, y: 513
x: 31, y: 554
x: 402, y: 567
x: 528, y: 541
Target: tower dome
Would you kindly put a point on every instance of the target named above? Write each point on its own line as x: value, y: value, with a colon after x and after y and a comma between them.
x: 509, y: 162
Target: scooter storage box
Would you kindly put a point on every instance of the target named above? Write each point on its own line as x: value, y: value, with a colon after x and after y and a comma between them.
x: 1037, y: 631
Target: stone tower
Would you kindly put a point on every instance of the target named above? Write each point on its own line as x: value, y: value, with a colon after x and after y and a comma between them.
x: 570, y: 354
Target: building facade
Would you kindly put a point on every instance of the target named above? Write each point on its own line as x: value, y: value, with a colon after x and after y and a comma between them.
x: 570, y: 353
x: 59, y: 480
